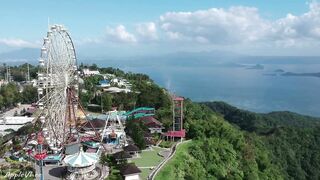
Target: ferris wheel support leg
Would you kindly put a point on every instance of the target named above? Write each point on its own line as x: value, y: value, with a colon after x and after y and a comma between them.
x: 41, y: 171
x: 41, y: 164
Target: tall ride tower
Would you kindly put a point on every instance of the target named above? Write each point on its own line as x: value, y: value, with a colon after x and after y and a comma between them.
x: 177, y: 113
x: 177, y: 116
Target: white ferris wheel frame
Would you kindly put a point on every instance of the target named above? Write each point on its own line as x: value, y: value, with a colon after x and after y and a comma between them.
x: 57, y: 75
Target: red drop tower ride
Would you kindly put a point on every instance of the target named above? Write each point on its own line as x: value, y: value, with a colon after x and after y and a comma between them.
x: 177, y: 126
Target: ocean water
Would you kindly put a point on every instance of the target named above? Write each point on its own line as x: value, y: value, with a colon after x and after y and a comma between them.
x: 258, y: 90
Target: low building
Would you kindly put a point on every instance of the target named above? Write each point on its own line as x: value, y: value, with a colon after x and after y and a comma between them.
x: 88, y: 72
x: 116, y: 90
x: 13, y: 123
x: 104, y: 83
x: 121, y: 82
x: 131, y: 149
x: 108, y: 76
x: 121, y: 156
x: 130, y: 172
x: 152, y: 124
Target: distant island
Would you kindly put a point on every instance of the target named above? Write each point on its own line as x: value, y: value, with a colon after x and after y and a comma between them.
x: 302, y: 74
x: 257, y: 66
x: 279, y: 71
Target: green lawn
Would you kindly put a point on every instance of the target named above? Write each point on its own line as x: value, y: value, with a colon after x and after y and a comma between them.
x: 148, y: 159
x: 145, y: 173
x: 167, y: 171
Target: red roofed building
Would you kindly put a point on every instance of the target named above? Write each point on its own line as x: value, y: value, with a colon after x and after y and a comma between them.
x: 153, y: 124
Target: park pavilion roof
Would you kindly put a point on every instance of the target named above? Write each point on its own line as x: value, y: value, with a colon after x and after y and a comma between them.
x: 131, y: 148
x: 81, y: 159
x: 121, y: 155
x: 129, y: 169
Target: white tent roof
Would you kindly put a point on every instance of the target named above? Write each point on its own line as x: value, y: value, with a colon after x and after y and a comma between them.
x: 81, y: 159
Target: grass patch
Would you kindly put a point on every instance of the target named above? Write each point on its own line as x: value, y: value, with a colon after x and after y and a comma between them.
x: 145, y: 173
x: 148, y: 158
x: 167, y: 171
x: 166, y: 144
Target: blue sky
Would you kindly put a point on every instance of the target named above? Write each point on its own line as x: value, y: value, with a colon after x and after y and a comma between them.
x: 142, y: 27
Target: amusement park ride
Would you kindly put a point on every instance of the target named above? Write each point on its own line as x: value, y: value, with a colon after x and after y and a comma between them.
x: 177, y: 124
x: 58, y: 105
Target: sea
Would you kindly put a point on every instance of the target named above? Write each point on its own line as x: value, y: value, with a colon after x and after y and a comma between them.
x: 252, y: 83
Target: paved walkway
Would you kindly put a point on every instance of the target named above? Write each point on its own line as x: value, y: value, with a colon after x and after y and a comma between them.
x: 52, y: 172
x: 146, y: 167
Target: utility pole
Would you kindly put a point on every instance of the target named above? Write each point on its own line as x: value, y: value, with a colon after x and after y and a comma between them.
x: 8, y: 75
x: 28, y: 73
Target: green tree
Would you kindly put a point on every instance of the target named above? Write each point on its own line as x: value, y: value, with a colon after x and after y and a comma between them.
x: 29, y: 94
x: 106, y: 101
x: 136, y: 131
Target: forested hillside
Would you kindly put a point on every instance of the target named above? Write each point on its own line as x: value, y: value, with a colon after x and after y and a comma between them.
x: 218, y: 150
x: 292, y: 139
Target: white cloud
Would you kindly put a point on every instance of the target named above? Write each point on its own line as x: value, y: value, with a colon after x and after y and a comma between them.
x: 241, y: 26
x: 17, y: 43
x: 119, y: 34
x: 147, y: 31
x: 237, y: 28
x: 235, y: 25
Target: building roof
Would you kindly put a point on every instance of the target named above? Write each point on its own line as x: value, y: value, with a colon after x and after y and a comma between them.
x: 177, y: 98
x: 150, y: 121
x: 16, y: 120
x: 81, y: 159
x: 121, y: 155
x: 131, y: 148
x: 129, y: 169
x: 104, y: 81
x: 72, y: 148
x: 90, y: 72
x: 116, y: 90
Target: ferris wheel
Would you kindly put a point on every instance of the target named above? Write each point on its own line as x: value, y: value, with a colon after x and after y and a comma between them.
x: 57, y: 84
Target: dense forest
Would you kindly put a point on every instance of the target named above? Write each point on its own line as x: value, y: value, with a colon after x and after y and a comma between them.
x: 229, y: 143
x: 220, y: 151
x: 293, y: 140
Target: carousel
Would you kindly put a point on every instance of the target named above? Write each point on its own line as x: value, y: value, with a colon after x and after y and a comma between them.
x: 82, y: 165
